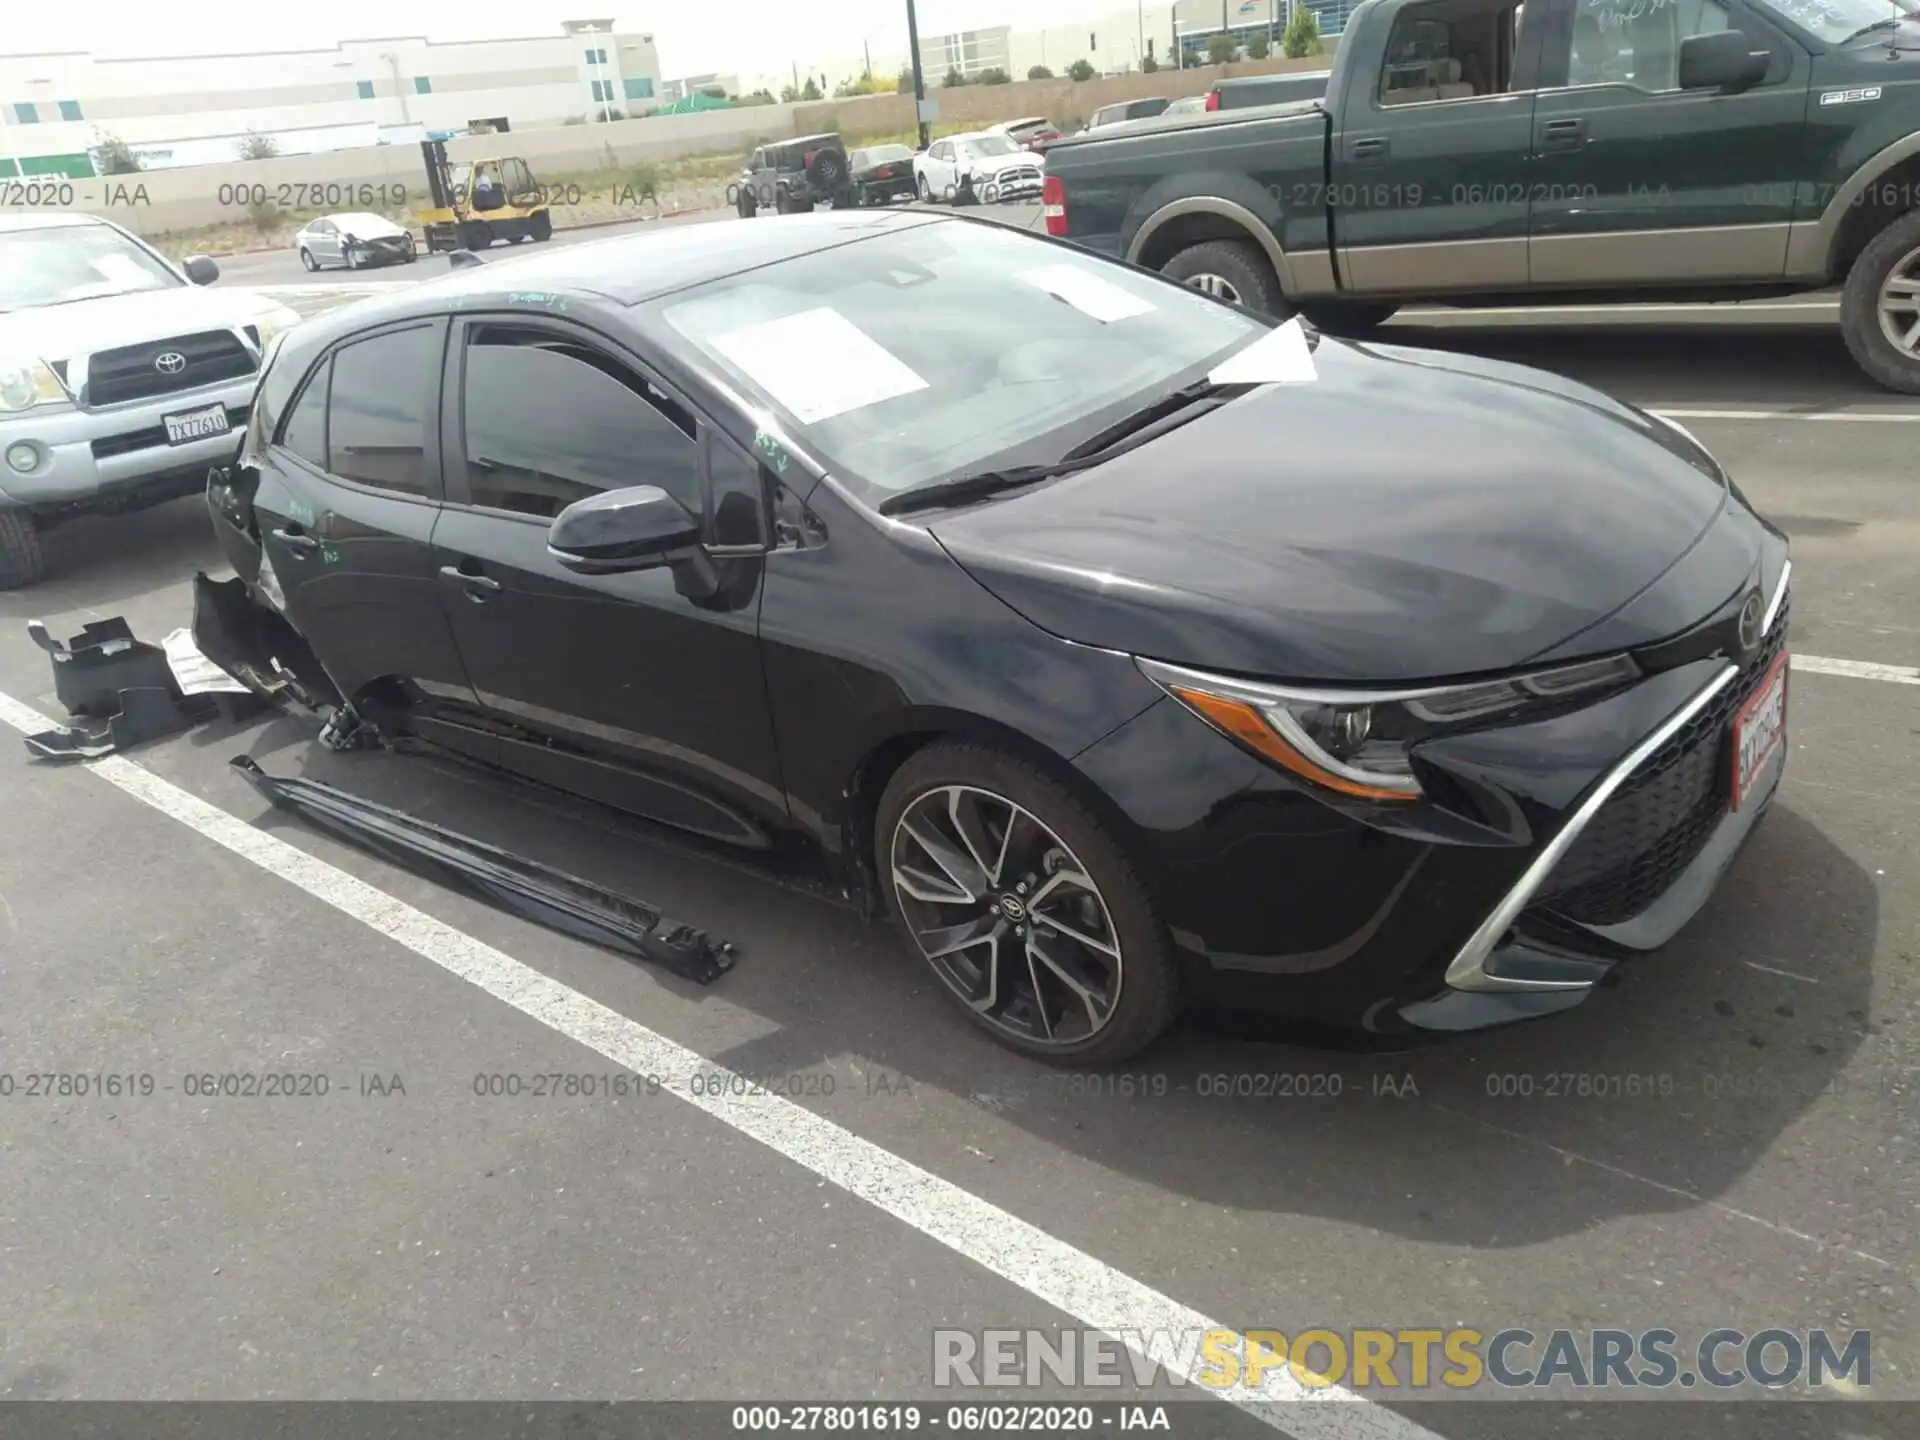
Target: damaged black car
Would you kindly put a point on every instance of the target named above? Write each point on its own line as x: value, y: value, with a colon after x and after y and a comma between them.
x: 1128, y: 647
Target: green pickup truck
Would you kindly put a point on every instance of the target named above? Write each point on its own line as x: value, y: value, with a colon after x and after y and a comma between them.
x: 1491, y: 152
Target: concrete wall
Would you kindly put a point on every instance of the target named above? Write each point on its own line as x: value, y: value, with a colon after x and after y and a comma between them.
x: 1062, y: 101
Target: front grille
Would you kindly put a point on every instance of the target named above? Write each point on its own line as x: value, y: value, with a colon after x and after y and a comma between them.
x: 154, y: 436
x: 1022, y: 175
x: 129, y: 373
x: 1653, y: 826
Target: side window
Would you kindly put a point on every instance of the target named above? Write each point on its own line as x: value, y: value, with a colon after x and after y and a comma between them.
x: 379, y: 410
x: 1450, y: 52
x: 1636, y: 42
x: 758, y: 161
x: 549, y: 421
x: 739, y: 497
x: 305, y: 432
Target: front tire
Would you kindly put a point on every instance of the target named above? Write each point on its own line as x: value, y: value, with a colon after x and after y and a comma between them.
x: 542, y: 227
x: 476, y: 235
x: 1232, y: 270
x: 1880, y: 306
x: 1025, y: 905
x: 22, y: 561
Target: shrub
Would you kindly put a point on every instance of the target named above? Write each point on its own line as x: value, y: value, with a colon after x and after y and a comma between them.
x: 1039, y: 72
x: 1080, y: 70
x: 1302, y: 37
x: 953, y: 79
x: 1259, y: 47
x: 111, y: 156
x: 1148, y: 65
x: 994, y: 76
x: 1221, y: 49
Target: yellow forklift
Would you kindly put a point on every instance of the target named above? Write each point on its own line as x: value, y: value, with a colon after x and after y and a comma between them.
x: 478, y: 203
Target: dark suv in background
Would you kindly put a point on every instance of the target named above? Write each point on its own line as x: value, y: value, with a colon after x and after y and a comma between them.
x: 795, y: 175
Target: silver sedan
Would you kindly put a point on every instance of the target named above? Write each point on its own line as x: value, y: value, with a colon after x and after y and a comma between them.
x: 352, y: 240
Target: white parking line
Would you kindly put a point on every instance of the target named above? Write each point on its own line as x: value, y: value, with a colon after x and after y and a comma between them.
x: 1855, y: 417
x: 1857, y: 669
x: 1065, y: 1277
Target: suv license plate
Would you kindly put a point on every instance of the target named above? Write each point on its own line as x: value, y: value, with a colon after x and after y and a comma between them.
x: 191, y: 425
x: 1759, y: 730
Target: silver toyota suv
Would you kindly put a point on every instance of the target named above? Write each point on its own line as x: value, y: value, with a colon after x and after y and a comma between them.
x: 121, y: 380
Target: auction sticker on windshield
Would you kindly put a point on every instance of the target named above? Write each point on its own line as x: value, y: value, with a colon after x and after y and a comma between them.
x: 818, y: 364
x: 191, y: 425
x: 1088, y: 293
x: 1759, y: 730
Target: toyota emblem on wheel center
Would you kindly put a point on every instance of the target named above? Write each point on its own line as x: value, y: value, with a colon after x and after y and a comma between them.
x: 169, y: 362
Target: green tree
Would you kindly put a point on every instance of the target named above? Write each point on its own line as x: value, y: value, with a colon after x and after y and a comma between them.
x: 905, y: 83
x: 953, y: 79
x: 1221, y: 49
x: 1080, y: 70
x: 1039, y: 72
x: 1302, y: 37
x: 111, y: 156
x: 810, y: 91
x: 255, y: 146
x: 789, y: 94
x: 1259, y: 47
x: 1148, y: 65
x: 994, y: 75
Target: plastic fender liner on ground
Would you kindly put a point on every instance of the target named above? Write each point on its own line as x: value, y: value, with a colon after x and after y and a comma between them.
x: 510, y: 882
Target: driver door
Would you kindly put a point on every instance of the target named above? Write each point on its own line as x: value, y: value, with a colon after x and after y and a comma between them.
x: 324, y: 241
x: 615, y: 687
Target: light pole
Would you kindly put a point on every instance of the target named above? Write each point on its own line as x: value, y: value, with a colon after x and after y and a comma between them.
x: 919, y: 80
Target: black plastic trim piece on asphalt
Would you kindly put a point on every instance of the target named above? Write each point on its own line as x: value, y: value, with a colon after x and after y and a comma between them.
x: 510, y: 882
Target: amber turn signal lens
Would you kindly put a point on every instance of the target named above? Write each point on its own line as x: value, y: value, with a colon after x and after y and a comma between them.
x: 1241, y: 721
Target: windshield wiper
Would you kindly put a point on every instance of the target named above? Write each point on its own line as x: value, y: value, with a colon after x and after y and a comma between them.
x: 1144, y: 424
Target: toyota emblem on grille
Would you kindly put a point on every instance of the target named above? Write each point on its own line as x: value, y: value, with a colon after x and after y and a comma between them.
x: 1750, y: 625
x: 169, y: 362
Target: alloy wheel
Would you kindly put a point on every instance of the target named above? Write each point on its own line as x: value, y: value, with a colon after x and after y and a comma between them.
x: 1006, y: 915
x: 1217, y: 286
x: 1900, y: 305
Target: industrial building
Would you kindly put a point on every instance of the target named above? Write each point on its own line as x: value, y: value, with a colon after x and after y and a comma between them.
x: 199, y: 109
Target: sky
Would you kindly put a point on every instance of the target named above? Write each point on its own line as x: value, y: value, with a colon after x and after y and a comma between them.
x: 692, y: 36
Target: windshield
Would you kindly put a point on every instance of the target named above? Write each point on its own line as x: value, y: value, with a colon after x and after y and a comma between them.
x: 364, y: 222
x: 945, y: 349
x: 989, y: 145
x: 885, y: 154
x: 75, y: 262
x: 1836, y: 21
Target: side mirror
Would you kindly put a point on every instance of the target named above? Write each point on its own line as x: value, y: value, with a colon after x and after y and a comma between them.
x: 1724, y: 60
x: 640, y: 528
x: 200, y: 269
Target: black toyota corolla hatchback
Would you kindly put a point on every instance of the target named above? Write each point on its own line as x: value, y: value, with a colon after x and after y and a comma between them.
x: 1129, y: 647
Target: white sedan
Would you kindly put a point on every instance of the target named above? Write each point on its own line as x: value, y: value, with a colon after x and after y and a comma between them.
x: 982, y: 166
x: 352, y: 240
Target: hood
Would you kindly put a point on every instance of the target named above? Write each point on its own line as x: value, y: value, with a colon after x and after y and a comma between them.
x: 994, y: 164
x: 80, y: 327
x: 368, y: 227
x: 1401, y: 518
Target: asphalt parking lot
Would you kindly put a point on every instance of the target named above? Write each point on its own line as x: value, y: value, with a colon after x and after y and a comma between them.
x: 1742, y: 1152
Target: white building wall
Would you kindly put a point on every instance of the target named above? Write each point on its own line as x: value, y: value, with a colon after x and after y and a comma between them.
x: 165, y: 103
x: 1111, y: 43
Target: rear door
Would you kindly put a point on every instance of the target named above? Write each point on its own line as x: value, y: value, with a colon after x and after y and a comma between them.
x: 347, y: 501
x: 1429, y: 176
x: 617, y: 686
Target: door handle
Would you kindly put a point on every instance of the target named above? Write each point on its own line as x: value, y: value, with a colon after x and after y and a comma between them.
x: 477, y: 587
x: 1374, y: 147
x: 297, y: 540
x: 1568, y: 134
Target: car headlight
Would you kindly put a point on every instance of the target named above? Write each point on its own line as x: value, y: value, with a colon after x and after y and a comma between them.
x: 27, y: 383
x: 1359, y: 743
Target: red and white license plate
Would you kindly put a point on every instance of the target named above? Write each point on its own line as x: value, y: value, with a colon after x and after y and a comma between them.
x: 1759, y: 731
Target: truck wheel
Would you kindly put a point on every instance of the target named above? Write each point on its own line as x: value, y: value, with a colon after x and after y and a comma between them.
x: 746, y: 204
x: 1349, y: 318
x: 22, y: 562
x: 1232, y: 270
x: 542, y: 227
x: 1880, y: 307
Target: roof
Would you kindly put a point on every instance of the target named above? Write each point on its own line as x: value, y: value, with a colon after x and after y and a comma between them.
x: 45, y: 220
x: 626, y: 269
